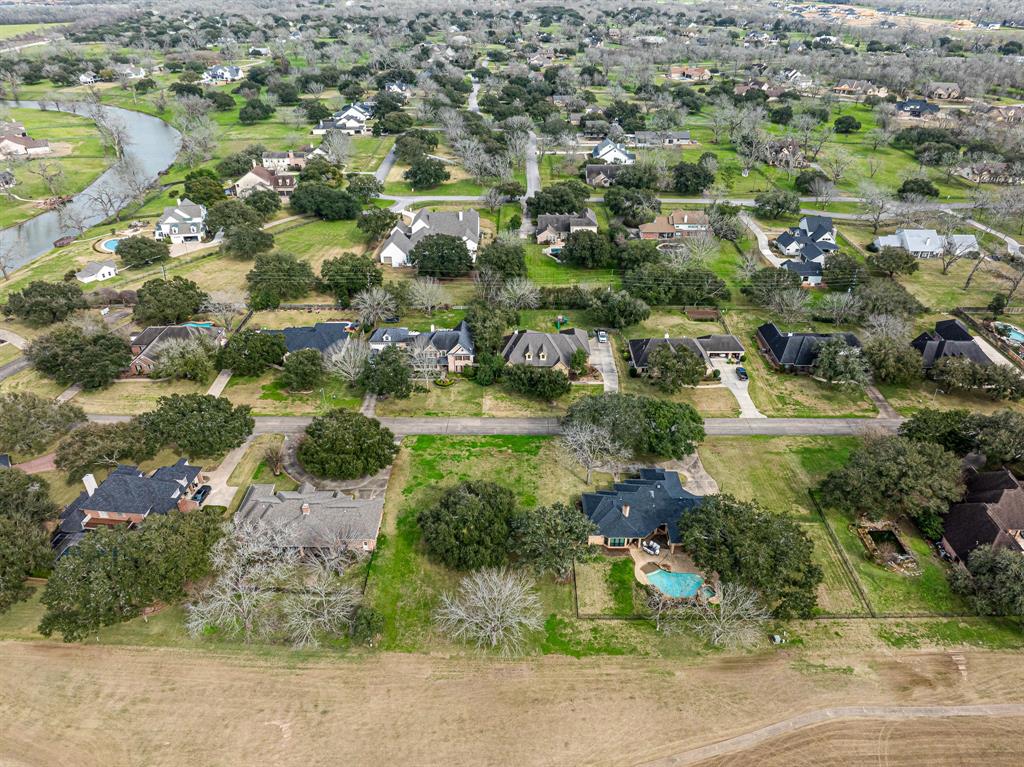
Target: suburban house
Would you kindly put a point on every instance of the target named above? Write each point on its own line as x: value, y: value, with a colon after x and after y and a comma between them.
x: 927, y: 243
x: 945, y: 91
x: 678, y: 223
x: 1003, y: 173
x: 184, y: 222
x: 860, y: 88
x: 652, y: 139
x: 602, y: 175
x: 351, y: 120
x: 222, y: 74
x: 636, y: 510
x: 23, y: 146
x: 786, y: 153
x: 260, y: 178
x: 991, y: 514
x: 97, y: 271
x: 916, y: 108
x: 705, y: 348
x: 544, y: 350
x: 796, y: 352
x: 464, y: 224
x: 328, y: 338
x: 313, y: 521
x: 126, y: 496
x: 812, y: 240
x: 612, y: 153
x: 810, y: 272
x: 691, y: 74
x: 949, y: 339
x: 146, y: 345
x: 280, y: 162
x: 88, y: 78
x: 129, y: 71
x: 794, y: 78
x: 1009, y: 113
x: 554, y: 228
x: 451, y: 350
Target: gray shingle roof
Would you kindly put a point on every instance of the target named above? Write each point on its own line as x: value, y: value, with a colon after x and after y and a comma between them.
x: 949, y: 339
x: 325, y: 337
x: 543, y: 349
x: 991, y: 509
x: 798, y: 349
x: 333, y: 517
x: 641, y: 349
x: 464, y: 224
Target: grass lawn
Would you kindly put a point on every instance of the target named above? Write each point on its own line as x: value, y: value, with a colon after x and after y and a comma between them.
x: 76, y: 152
x: 265, y: 395
x: 890, y: 592
x: 468, y: 399
x: 909, y: 399
x: 8, y: 353
x: 253, y: 470
x: 134, y: 395
x: 404, y: 583
x: 544, y: 270
x: 778, y: 394
x: 8, y: 31
x: 368, y: 152
x: 28, y: 380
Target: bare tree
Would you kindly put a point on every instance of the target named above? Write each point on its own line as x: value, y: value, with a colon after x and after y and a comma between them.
x: 591, y: 446
x: 493, y: 198
x: 493, y: 609
x: 321, y: 606
x: 736, y: 621
x: 698, y: 248
x: 348, y: 363
x: 952, y: 251
x: 337, y: 147
x: 793, y: 305
x: 877, y: 204
x: 224, y: 306
x: 823, y: 190
x: 274, y: 456
x: 836, y: 164
x: 51, y: 174
x: 887, y: 326
x: 427, y: 294
x: 840, y: 307
x: 423, y: 363
x: 519, y: 293
x: 374, y: 305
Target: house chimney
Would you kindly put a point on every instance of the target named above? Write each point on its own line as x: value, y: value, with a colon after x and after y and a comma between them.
x: 625, y: 509
x: 305, y: 509
x: 90, y: 484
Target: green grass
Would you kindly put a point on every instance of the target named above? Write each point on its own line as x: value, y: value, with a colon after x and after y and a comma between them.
x: 368, y: 152
x: 622, y: 584
x: 988, y: 633
x: 544, y: 270
x: 7, y: 31
x: 267, y: 396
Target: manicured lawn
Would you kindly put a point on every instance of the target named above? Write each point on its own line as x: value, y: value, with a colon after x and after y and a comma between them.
x: 318, y: 240
x: 368, y: 152
x: 28, y: 380
x: 8, y: 31
x: 77, y: 154
x: 466, y: 398
x: 265, y: 395
x: 544, y: 270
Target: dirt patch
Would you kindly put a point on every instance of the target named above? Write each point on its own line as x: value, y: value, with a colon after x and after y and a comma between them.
x: 196, y: 707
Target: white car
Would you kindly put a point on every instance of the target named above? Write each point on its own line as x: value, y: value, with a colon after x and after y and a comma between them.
x: 602, y: 337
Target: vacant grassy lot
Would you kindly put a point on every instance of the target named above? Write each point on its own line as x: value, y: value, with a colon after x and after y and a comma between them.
x: 368, y: 152
x: 8, y: 31
x: 265, y: 395
x: 544, y: 270
x: 466, y: 398
x: 135, y: 395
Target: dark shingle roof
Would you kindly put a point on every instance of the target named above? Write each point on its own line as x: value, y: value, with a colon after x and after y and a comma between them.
x: 640, y: 349
x: 949, y: 339
x: 798, y: 349
x: 323, y: 336
x: 656, y: 498
x: 717, y: 343
x: 803, y: 268
x: 992, y: 507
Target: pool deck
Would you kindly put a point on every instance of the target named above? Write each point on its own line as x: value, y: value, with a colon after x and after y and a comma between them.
x: 677, y: 562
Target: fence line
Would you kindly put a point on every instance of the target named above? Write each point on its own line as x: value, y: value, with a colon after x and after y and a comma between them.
x: 847, y: 564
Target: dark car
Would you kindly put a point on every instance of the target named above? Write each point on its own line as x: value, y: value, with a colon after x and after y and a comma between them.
x: 199, y: 496
x: 392, y: 320
x: 741, y: 373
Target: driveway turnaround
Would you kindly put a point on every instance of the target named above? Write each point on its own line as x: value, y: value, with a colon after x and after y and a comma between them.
x: 602, y: 357
x: 738, y: 388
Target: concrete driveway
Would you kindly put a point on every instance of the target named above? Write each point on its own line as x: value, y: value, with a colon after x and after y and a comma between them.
x: 602, y: 358
x: 738, y: 388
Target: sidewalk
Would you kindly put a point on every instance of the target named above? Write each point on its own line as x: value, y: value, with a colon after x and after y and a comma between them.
x: 219, y: 383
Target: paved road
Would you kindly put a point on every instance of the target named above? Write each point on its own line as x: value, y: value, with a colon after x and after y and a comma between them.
x: 723, y: 427
x: 474, y: 104
x: 602, y: 358
x: 12, y: 367
x: 532, y: 183
x: 818, y: 716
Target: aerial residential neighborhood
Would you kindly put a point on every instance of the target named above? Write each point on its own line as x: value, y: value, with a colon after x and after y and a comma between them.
x: 512, y: 383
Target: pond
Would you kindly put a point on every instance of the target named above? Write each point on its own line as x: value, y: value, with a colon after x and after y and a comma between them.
x: 150, y: 148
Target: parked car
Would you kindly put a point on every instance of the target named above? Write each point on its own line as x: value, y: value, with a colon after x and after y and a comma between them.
x: 602, y: 337
x: 741, y: 373
x: 392, y: 320
x: 199, y: 496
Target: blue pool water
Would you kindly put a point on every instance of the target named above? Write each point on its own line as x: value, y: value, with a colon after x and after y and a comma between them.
x: 1016, y: 334
x: 111, y: 245
x: 676, y: 585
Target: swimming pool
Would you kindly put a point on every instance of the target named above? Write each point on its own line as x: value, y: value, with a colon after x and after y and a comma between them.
x: 1014, y: 334
x: 110, y: 245
x: 676, y: 585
